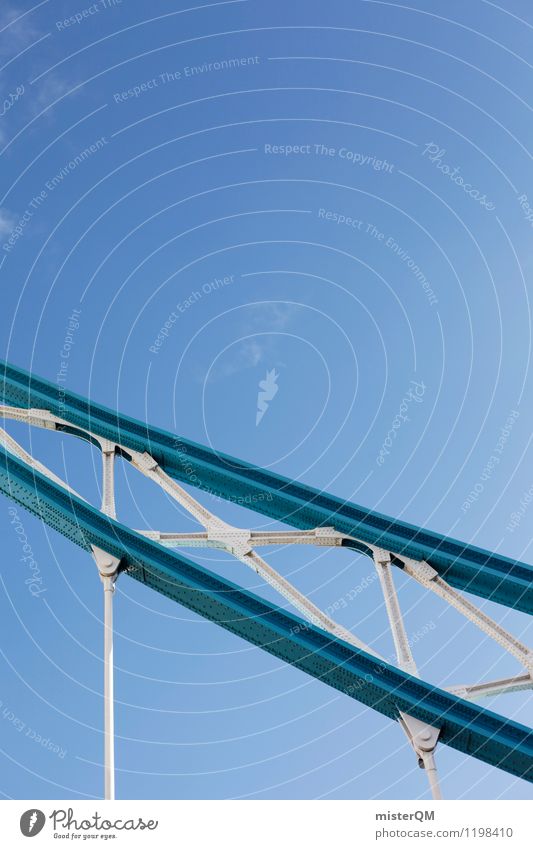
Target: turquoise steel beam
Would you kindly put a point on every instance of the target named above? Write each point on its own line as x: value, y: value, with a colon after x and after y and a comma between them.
x: 464, y: 566
x: 464, y: 726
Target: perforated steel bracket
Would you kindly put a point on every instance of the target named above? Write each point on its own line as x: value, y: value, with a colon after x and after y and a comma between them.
x: 145, y: 462
x: 380, y: 555
x: 420, y: 570
x: 328, y: 536
x: 236, y: 540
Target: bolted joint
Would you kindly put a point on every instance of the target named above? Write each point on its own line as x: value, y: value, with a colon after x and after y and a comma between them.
x: 423, y: 737
x: 235, y: 540
x: 107, y: 446
x: 381, y: 556
x: 144, y: 462
x: 108, y: 566
x: 420, y: 570
x: 327, y: 535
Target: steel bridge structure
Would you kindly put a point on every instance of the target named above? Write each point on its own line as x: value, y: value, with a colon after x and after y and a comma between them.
x: 311, y: 641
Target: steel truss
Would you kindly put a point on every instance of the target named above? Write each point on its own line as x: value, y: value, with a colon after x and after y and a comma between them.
x: 242, y: 544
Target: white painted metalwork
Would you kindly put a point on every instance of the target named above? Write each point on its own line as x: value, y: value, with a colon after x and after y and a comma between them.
x: 429, y: 578
x: 302, y: 603
x: 241, y: 543
x: 108, y: 478
x: 108, y: 569
x: 423, y: 737
x: 257, y: 539
x: 404, y: 655
x: 515, y: 684
x: 13, y: 447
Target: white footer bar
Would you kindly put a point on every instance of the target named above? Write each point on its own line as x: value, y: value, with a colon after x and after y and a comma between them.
x: 268, y: 824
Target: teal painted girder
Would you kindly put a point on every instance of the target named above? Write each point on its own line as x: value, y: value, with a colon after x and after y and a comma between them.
x: 464, y: 726
x: 464, y: 566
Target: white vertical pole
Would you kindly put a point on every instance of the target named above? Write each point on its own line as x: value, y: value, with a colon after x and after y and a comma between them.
x: 108, y: 576
x: 109, y: 718
x: 423, y: 738
x: 108, y: 567
x: 432, y: 774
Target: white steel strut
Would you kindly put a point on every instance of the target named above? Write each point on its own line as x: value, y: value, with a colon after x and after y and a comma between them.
x: 238, y: 542
x: 515, y: 684
x: 404, y: 655
x: 108, y: 478
x: 241, y: 544
x: 422, y: 737
x: 108, y: 567
x: 429, y: 578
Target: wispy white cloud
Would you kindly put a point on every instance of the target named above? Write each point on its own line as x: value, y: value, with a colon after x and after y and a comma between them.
x: 17, y: 30
x: 265, y: 318
x: 251, y: 354
x: 7, y: 221
x: 246, y: 355
x: 271, y: 316
x: 48, y: 90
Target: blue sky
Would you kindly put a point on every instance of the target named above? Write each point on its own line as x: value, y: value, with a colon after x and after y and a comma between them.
x: 337, y: 192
